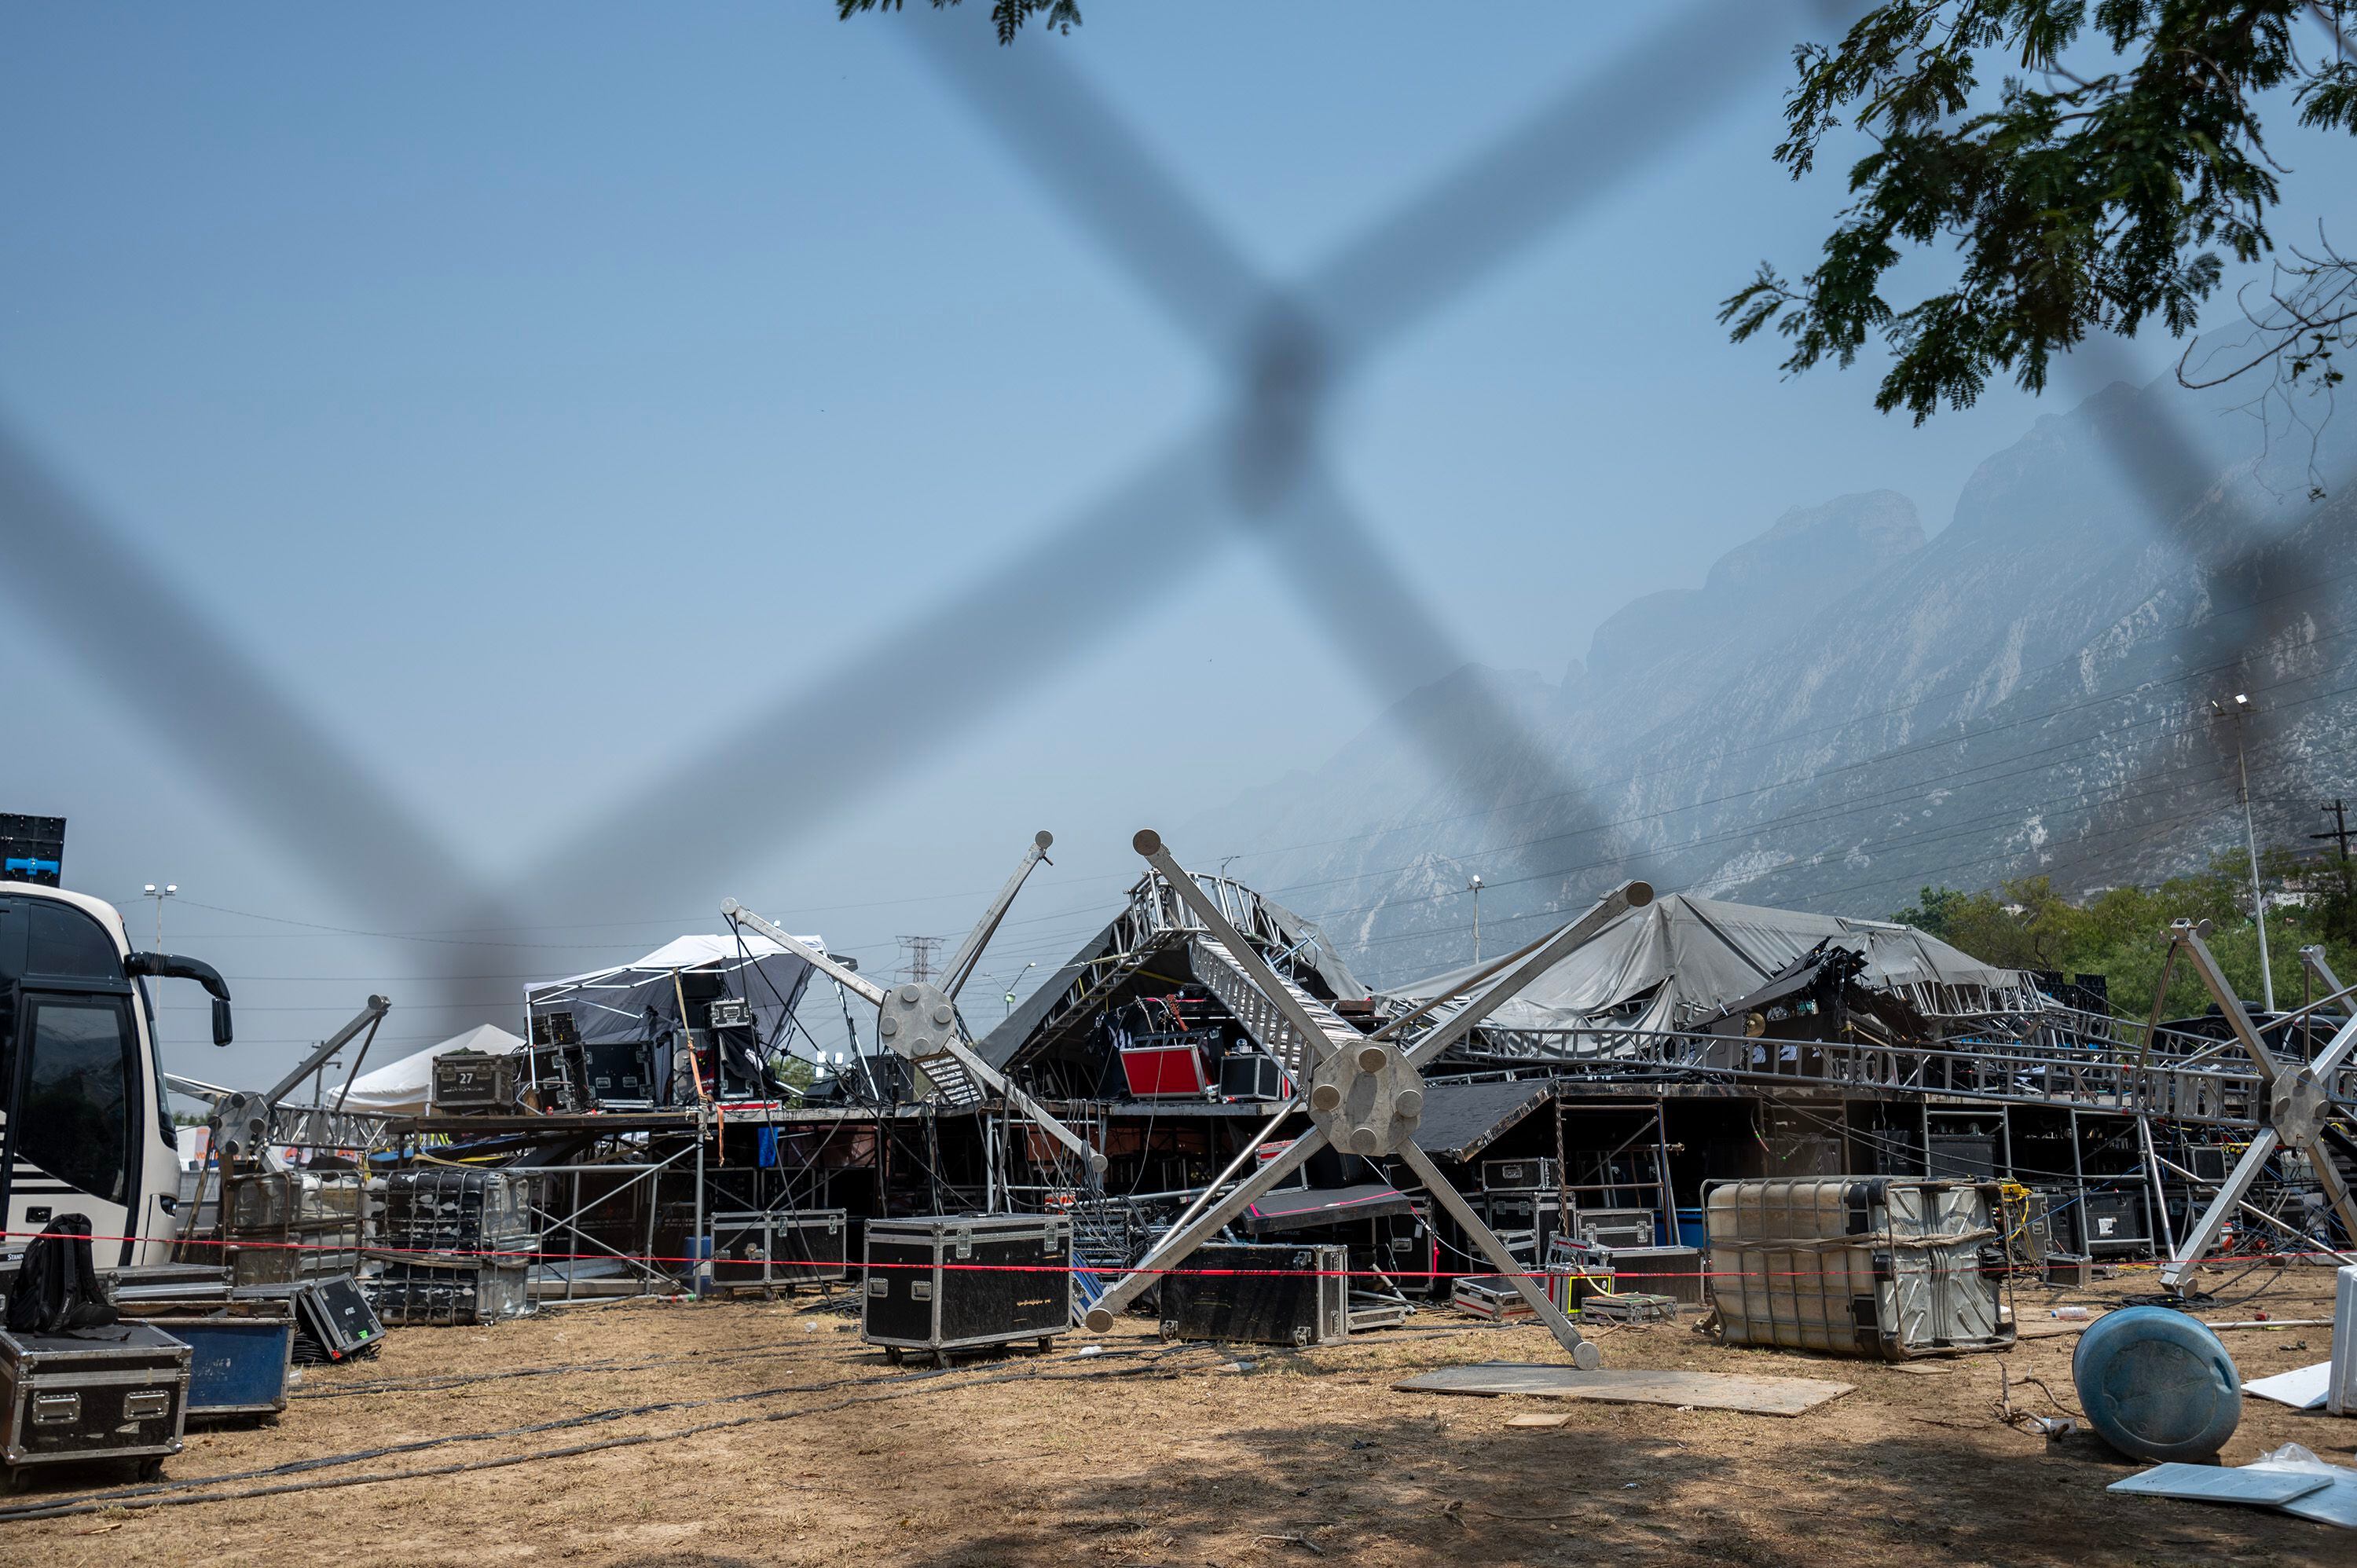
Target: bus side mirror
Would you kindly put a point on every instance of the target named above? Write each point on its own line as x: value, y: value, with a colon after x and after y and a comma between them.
x: 222, y: 1033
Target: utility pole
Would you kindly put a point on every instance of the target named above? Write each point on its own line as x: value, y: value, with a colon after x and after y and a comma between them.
x: 1474, y: 887
x: 170, y: 890
x: 2340, y: 815
x: 2251, y: 840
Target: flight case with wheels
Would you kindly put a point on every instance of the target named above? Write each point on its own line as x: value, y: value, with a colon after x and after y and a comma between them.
x: 947, y: 1283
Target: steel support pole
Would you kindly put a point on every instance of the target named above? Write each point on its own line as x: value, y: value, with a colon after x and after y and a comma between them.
x: 2152, y: 1170
x: 2258, y: 894
x: 1177, y: 1242
x: 1584, y: 1355
x: 695, y: 1249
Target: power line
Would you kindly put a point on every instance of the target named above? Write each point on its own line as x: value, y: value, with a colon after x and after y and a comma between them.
x: 1803, y: 816
x: 452, y: 935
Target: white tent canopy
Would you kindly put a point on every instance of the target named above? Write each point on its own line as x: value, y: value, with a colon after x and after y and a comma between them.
x: 405, y: 1088
x: 611, y: 1005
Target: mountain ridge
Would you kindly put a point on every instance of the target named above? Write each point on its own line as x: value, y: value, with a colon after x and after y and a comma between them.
x: 1847, y: 708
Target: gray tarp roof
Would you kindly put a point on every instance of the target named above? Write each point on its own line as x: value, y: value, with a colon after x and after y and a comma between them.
x: 1308, y: 943
x: 1679, y: 959
x: 998, y: 1046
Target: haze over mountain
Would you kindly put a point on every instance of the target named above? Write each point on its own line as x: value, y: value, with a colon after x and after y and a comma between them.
x: 1846, y: 710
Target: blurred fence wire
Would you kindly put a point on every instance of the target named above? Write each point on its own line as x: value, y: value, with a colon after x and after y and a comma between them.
x: 1253, y: 473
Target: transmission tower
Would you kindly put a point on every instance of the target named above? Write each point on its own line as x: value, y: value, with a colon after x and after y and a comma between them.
x: 919, y: 957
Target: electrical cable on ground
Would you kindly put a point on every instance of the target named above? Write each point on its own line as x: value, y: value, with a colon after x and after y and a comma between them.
x: 186, y: 1493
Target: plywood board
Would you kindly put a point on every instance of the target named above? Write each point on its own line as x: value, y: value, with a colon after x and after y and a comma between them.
x: 1538, y: 1421
x: 2302, y: 1390
x: 2216, y: 1484
x: 1703, y: 1391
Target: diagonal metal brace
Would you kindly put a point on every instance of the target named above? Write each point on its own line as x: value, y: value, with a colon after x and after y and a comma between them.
x: 954, y: 1045
x: 850, y: 979
x: 968, y: 951
x: 1578, y: 934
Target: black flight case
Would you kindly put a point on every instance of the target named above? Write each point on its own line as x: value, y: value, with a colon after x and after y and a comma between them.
x: 116, y: 1392
x: 946, y: 1283
x: 1260, y: 1294
x: 777, y: 1250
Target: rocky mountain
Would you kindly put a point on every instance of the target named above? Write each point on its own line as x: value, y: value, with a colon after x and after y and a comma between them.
x: 1845, y: 711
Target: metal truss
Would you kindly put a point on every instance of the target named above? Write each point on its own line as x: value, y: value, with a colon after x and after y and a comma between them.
x: 918, y: 1021
x: 2300, y: 1098
x: 1365, y: 1095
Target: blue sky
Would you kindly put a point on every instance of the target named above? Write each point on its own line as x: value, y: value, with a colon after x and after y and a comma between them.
x: 537, y: 390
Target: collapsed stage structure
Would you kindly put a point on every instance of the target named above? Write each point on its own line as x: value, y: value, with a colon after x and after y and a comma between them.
x: 1679, y: 1042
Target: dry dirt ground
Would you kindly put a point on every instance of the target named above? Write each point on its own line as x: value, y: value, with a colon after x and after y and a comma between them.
x: 811, y: 1450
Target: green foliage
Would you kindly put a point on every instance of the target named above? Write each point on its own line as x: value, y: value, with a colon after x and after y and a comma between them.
x: 1006, y: 15
x: 2075, y: 203
x: 797, y: 1073
x: 2122, y: 933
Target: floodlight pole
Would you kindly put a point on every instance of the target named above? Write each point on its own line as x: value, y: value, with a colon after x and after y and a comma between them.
x: 2250, y: 842
x: 170, y: 890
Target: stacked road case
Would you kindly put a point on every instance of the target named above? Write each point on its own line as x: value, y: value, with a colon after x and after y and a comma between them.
x: 1893, y: 1267
x: 1678, y: 1272
x: 456, y: 1247
x: 477, y: 1084
x: 242, y: 1347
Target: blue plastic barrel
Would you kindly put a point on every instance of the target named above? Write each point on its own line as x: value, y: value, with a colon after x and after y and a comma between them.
x: 1692, y: 1230
x: 2157, y: 1385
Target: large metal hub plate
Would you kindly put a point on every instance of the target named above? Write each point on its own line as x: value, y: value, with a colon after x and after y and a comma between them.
x: 917, y: 1021
x: 241, y: 1124
x: 2298, y: 1107
x: 1366, y: 1099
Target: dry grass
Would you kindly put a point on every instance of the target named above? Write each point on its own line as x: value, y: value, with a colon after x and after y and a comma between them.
x: 1146, y: 1456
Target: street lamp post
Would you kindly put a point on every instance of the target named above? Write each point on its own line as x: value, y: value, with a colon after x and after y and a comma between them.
x: 170, y: 890
x: 1474, y: 887
x: 1015, y: 982
x: 2250, y: 842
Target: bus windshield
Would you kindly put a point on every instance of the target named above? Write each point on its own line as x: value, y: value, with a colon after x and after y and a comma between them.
x: 76, y: 1107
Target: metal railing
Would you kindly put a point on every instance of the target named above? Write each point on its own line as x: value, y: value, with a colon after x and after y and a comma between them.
x: 2171, y: 1082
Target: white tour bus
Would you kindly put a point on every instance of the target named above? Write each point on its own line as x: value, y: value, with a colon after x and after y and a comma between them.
x: 88, y: 1126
